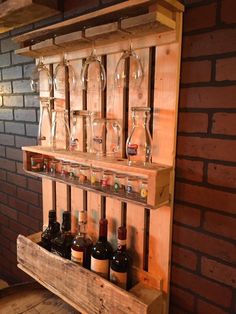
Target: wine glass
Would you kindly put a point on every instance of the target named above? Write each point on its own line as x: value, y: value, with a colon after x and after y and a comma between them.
x: 135, y: 76
x: 60, y: 75
x: 93, y: 74
x: 45, y: 82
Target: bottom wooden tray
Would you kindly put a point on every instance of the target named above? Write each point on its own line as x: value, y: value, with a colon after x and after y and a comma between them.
x: 81, y: 288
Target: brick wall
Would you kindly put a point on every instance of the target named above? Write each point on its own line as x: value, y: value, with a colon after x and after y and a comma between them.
x: 204, y: 251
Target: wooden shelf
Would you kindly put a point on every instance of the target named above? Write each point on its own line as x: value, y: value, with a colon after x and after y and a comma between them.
x: 158, y: 176
x: 123, y: 25
x: 81, y: 288
x: 14, y: 14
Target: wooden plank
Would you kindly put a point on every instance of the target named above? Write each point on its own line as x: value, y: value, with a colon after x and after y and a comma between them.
x: 165, y: 118
x: 76, y: 103
x: 73, y: 40
x: 81, y: 288
x: 15, y: 13
x: 115, y: 99
x: 83, y: 19
x: 46, y: 47
x: 135, y: 214
x: 94, y: 202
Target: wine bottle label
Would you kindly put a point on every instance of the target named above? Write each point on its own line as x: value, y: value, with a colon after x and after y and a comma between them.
x: 132, y: 149
x: 119, y: 279
x: 97, y: 140
x: 101, y: 267
x: 144, y: 193
x: 93, y: 179
x: 121, y: 242
x: 77, y: 257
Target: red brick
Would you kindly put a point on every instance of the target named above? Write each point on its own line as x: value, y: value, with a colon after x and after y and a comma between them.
x: 9, y: 212
x: 205, y: 243
x: 219, y: 272
x: 35, y: 185
x: 195, y: 72
x: 211, y: 43
x: 214, y: 199
x: 7, y: 164
x: 36, y: 212
x: 189, y: 169
x: 187, y: 215
x: 219, y: 224
x: 4, y: 241
x: 207, y: 14
x: 16, y: 179
x: 221, y: 175
x: 8, y: 188
x: 3, y: 198
x: 182, y: 298
x: 224, y: 123
x: 9, y: 234
x: 225, y: 69
x: 208, y: 148
x: 192, y: 122
x: 3, y: 220
x: 228, y: 10
x: 204, y: 287
x: 18, y: 228
x: 18, y: 204
x: 208, y: 97
x: 204, y: 307
x: 11, y: 257
x: 177, y: 310
x: 28, y: 221
x: 31, y: 197
x: 184, y: 257
x: 3, y: 175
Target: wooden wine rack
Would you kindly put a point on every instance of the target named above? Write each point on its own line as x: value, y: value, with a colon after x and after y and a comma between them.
x: 156, y: 38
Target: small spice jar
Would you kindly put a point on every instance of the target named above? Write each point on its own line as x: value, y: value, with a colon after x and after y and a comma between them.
x: 132, y: 186
x: 96, y: 176
x: 144, y: 189
x: 53, y: 168
x: 74, y: 171
x: 45, y: 165
x: 65, y: 167
x: 36, y: 163
x: 107, y: 179
x: 84, y: 174
x: 119, y: 183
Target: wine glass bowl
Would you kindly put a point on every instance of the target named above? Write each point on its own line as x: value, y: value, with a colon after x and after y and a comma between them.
x: 45, y: 82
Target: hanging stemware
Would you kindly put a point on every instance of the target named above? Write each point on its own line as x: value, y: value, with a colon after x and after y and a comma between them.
x: 93, y: 74
x: 132, y: 75
x: 59, y: 78
x: 45, y: 81
x: 44, y: 122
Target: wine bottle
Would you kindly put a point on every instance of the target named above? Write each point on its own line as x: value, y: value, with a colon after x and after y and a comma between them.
x: 120, y: 261
x: 101, y: 252
x: 82, y: 243
x: 61, y: 245
x: 51, y: 231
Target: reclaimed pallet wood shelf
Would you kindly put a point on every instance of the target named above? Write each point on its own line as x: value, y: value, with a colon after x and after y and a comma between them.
x: 81, y: 288
x: 158, y: 176
x: 14, y: 14
x: 160, y: 20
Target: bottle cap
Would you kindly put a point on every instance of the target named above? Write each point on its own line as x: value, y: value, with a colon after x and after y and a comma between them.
x: 52, y: 214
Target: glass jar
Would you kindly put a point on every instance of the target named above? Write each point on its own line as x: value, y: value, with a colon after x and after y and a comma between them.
x: 81, y: 130
x: 45, y: 165
x: 65, y: 167
x: 107, y: 179
x: 132, y: 186
x: 60, y: 132
x: 74, y: 171
x: 37, y: 163
x: 119, y: 183
x: 144, y: 189
x: 139, y: 142
x: 53, y: 167
x: 84, y: 174
x: 96, y: 176
x: 44, y: 123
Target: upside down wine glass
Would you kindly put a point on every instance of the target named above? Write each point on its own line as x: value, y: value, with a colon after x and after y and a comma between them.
x: 44, y: 84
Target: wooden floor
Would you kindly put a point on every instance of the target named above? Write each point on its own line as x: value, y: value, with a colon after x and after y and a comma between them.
x: 32, y: 299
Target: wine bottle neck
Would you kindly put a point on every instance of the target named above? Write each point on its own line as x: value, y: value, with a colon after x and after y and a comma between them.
x: 82, y: 228
x: 121, y: 245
